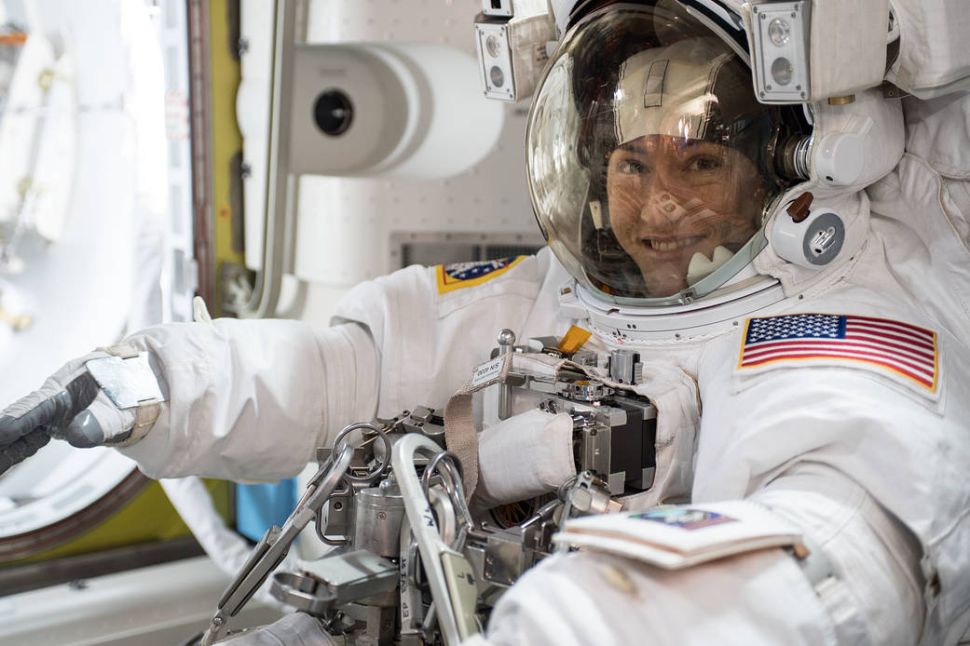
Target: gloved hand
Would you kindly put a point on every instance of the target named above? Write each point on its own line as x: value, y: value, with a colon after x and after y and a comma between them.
x: 69, y: 406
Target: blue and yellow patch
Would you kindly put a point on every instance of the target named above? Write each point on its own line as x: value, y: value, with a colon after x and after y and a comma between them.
x: 468, y: 274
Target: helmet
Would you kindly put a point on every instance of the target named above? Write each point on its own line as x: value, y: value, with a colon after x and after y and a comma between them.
x: 652, y: 166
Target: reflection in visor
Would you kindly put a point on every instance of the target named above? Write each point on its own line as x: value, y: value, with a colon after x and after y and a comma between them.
x: 650, y: 159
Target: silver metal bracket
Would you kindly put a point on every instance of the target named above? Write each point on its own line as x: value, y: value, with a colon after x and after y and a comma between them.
x: 339, y: 580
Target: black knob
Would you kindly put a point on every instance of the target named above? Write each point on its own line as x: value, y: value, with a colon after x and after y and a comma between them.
x: 333, y: 112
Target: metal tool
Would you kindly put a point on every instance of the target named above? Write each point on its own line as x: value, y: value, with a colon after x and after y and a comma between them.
x: 275, y: 543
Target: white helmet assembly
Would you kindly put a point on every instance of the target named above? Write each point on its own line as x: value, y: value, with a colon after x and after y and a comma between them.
x: 651, y: 163
x: 691, y: 161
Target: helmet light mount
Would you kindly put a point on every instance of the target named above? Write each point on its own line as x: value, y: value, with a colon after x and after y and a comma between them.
x: 801, y: 51
x: 780, y: 51
x: 512, y: 40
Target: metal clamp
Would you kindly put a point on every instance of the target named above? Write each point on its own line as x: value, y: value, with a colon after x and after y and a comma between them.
x: 335, y: 528
x: 586, y: 493
x: 447, y: 468
x: 371, y: 476
x: 342, y: 579
x: 302, y: 591
x: 275, y: 543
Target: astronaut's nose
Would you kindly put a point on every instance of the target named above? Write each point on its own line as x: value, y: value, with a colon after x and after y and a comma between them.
x: 662, y: 209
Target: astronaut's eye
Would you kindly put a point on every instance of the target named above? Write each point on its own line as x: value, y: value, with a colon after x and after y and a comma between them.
x: 631, y: 167
x: 704, y: 163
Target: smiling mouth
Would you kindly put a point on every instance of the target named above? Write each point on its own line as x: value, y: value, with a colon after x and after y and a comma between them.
x: 670, y: 244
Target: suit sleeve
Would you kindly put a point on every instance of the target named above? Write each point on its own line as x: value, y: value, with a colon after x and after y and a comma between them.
x: 250, y: 400
x: 765, y: 597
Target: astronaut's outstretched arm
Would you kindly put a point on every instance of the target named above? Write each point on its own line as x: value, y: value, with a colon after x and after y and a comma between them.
x: 252, y: 399
x: 243, y: 400
x: 763, y: 597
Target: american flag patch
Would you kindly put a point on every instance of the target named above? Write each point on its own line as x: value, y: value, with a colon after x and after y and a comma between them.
x: 903, y: 349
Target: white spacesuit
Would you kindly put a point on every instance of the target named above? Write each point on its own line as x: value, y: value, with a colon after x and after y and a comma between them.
x: 832, y: 388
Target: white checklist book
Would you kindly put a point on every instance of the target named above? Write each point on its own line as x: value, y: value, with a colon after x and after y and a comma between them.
x: 679, y: 536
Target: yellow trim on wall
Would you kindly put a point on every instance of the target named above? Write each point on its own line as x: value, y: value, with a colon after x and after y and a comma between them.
x: 148, y: 517
x: 225, y: 140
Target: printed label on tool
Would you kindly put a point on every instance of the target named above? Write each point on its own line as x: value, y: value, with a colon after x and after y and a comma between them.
x: 488, y: 371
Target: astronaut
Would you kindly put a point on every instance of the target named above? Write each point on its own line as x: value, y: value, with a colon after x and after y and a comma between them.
x: 830, y: 389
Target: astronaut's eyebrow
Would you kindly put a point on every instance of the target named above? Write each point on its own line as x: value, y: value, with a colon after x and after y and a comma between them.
x: 635, y: 146
x: 691, y: 144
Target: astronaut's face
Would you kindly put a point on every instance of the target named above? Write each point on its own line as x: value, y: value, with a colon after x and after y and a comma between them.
x: 671, y: 198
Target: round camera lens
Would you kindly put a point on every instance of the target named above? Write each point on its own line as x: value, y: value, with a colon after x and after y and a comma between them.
x: 493, y: 46
x: 781, y: 71
x: 497, y: 76
x: 333, y: 112
x: 779, y: 31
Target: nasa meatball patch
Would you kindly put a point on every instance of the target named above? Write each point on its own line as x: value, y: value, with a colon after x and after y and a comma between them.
x: 468, y: 274
x: 906, y: 353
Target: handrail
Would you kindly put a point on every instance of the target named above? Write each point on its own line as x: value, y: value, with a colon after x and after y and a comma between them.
x: 280, y: 184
